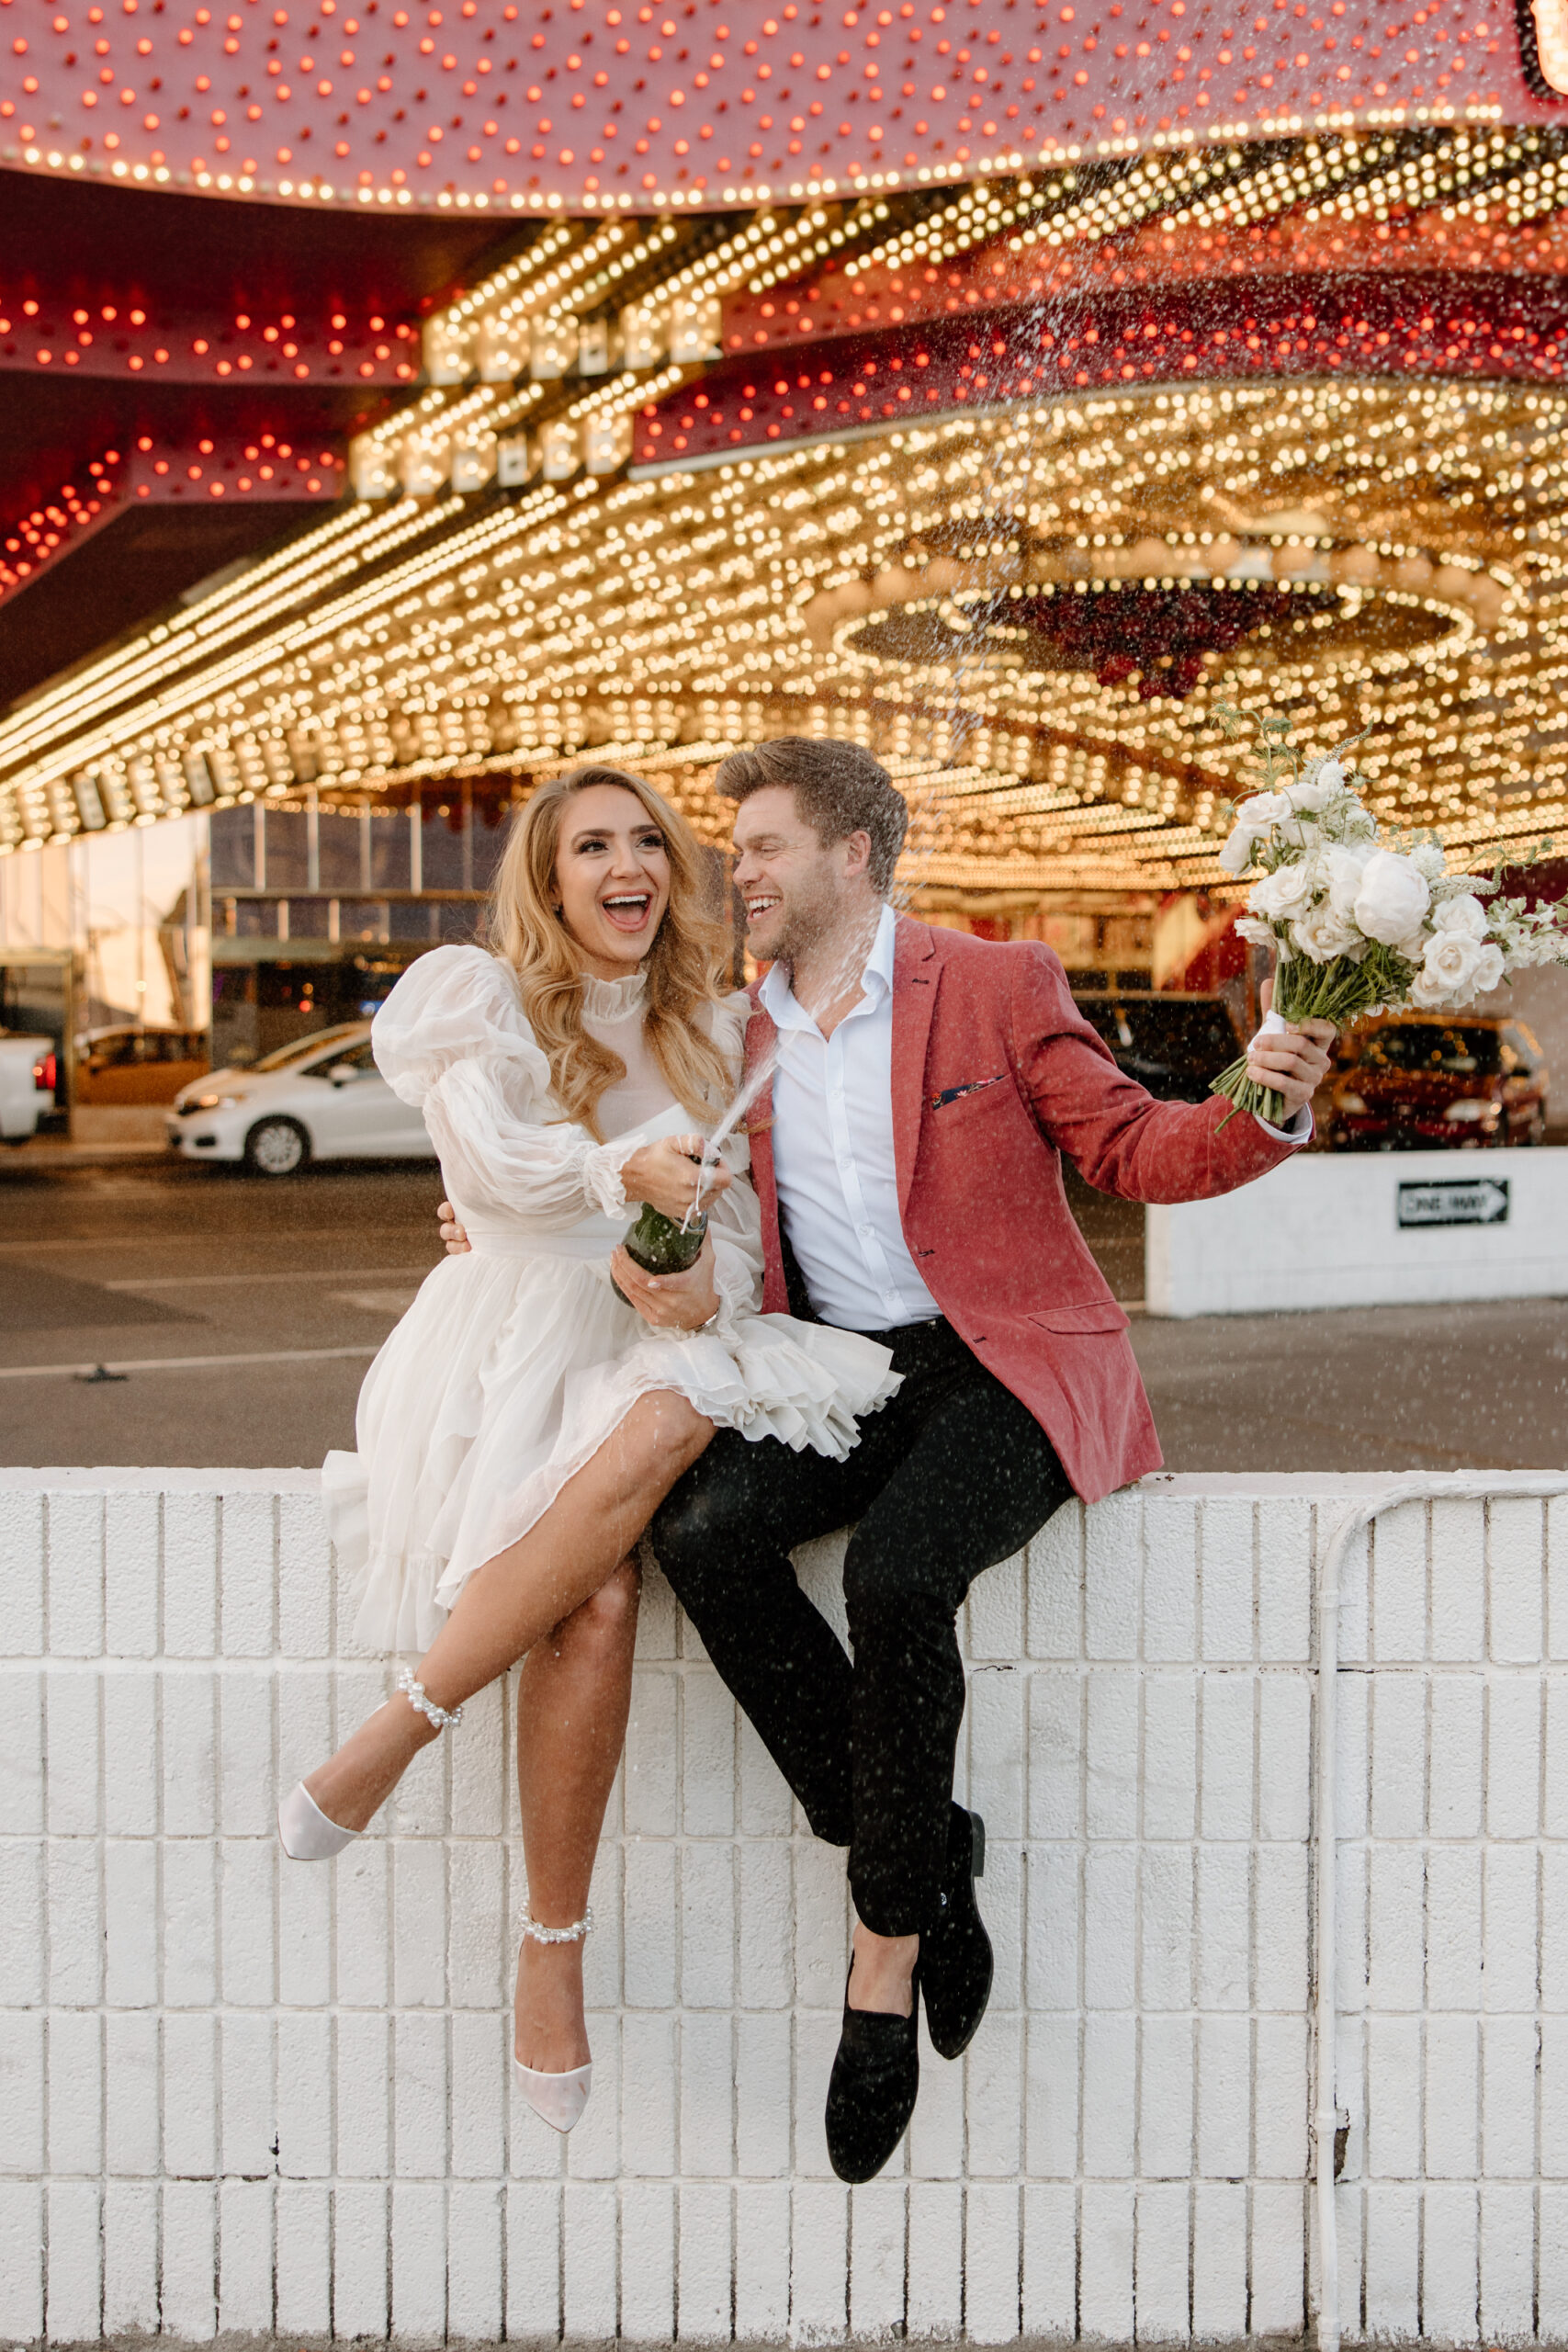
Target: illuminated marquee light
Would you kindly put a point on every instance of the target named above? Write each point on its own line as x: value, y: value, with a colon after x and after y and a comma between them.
x: 600, y: 107
x: 242, y: 470
x: 120, y: 339
x: 508, y: 634
x: 1267, y: 329
x: 698, y: 591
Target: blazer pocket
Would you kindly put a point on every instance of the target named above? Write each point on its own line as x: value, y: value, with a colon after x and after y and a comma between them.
x: 1094, y: 1315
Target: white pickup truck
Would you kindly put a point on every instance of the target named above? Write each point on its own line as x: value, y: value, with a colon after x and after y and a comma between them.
x: 29, y: 1075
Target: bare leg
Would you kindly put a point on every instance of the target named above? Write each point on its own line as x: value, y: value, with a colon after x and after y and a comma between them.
x: 571, y: 1722
x: 514, y: 1600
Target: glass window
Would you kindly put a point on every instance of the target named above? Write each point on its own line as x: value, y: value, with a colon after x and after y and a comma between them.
x: 442, y: 840
x: 359, y: 1058
x: 413, y: 919
x: 488, y: 830
x: 362, y: 919
x: 300, y: 1049
x: 339, y: 836
x: 389, y: 850
x: 288, y: 850
x: 234, y: 849
x: 309, y: 918
x: 1434, y: 1048
x: 120, y: 1050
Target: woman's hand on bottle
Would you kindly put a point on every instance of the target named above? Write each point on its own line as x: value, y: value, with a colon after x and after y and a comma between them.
x: 670, y: 1302
x: 667, y: 1174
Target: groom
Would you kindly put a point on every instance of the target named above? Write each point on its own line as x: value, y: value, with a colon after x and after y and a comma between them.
x: 908, y: 1153
x: 908, y: 1157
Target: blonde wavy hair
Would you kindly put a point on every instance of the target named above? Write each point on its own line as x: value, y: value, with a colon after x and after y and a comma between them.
x: 685, y: 965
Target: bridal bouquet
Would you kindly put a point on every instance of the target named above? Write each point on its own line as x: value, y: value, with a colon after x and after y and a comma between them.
x: 1360, y: 920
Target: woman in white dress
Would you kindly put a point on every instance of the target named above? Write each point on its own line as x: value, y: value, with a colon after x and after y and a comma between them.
x: 522, y: 1424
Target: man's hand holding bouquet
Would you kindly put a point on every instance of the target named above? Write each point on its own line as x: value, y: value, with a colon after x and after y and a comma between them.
x: 1360, y: 920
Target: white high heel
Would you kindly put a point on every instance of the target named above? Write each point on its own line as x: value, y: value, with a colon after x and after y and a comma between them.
x: 305, y: 1832
x: 557, y: 2100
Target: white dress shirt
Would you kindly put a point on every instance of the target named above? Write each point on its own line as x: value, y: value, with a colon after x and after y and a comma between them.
x: 833, y: 1163
x: 833, y: 1159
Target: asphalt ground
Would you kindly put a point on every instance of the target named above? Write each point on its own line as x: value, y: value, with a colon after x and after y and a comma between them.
x: 236, y: 1317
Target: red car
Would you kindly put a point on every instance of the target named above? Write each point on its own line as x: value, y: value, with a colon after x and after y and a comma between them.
x: 1413, y: 1081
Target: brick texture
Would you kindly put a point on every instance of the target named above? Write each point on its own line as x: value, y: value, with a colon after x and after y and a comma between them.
x: 245, y: 2097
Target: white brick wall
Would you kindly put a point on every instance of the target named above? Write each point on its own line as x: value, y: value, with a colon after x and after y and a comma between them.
x: 242, y: 2096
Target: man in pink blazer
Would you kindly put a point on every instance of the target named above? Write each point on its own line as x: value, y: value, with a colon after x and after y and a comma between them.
x: 907, y: 1149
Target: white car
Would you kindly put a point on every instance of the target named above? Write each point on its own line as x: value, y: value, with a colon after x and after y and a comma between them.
x: 319, y: 1097
x: 28, y: 1076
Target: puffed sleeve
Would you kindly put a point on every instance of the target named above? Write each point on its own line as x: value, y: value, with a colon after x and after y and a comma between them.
x: 452, y: 1042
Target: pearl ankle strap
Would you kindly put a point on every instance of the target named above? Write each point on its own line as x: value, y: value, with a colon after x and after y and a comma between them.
x: 444, y: 1718
x: 572, y: 1935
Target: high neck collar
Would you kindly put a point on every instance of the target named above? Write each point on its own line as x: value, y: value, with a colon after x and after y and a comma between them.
x: 613, y: 1000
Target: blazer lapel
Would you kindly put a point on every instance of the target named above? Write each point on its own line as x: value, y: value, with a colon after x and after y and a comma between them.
x: 917, y: 970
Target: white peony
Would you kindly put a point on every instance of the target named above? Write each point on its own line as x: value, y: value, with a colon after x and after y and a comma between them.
x: 1323, y: 932
x: 1282, y: 894
x: 1463, y: 912
x: 1256, y: 818
x: 1345, y: 868
x: 1313, y: 793
x: 1393, y: 897
x: 1450, y: 972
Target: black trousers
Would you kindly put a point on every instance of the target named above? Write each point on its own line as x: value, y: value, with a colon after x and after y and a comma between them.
x: 951, y: 1477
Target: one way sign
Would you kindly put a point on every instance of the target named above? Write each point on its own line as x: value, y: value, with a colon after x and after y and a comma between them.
x: 1482, y: 1199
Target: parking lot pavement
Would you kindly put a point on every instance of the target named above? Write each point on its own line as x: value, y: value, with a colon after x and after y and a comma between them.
x: 236, y: 1319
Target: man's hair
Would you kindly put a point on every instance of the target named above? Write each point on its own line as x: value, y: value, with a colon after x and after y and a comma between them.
x: 839, y: 789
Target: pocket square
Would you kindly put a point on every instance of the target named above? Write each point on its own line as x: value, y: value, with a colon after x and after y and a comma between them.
x: 973, y: 1086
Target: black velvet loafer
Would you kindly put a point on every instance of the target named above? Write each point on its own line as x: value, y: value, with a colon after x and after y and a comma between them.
x: 957, y: 1964
x: 873, y: 2089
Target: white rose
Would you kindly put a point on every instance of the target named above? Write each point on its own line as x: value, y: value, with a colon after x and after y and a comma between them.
x: 1393, y: 897
x: 1449, y: 969
x: 1248, y: 927
x: 1463, y: 912
x: 1313, y: 793
x: 1345, y: 869
x: 1323, y: 932
x: 1489, y: 970
x: 1285, y: 892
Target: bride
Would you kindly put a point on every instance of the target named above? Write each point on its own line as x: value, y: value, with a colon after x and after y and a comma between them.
x: 522, y: 1424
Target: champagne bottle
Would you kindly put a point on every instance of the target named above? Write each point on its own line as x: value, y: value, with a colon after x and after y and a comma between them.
x: 659, y: 1246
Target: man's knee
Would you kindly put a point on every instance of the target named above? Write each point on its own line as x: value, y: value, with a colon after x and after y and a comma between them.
x: 695, y: 1536
x: 887, y: 1597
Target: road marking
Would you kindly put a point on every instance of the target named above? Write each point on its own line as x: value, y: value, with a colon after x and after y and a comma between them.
x: 175, y: 1364
x: 119, y: 1241
x: 305, y: 1275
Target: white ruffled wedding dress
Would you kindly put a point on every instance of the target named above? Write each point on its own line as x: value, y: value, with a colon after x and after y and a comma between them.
x: 516, y: 1362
